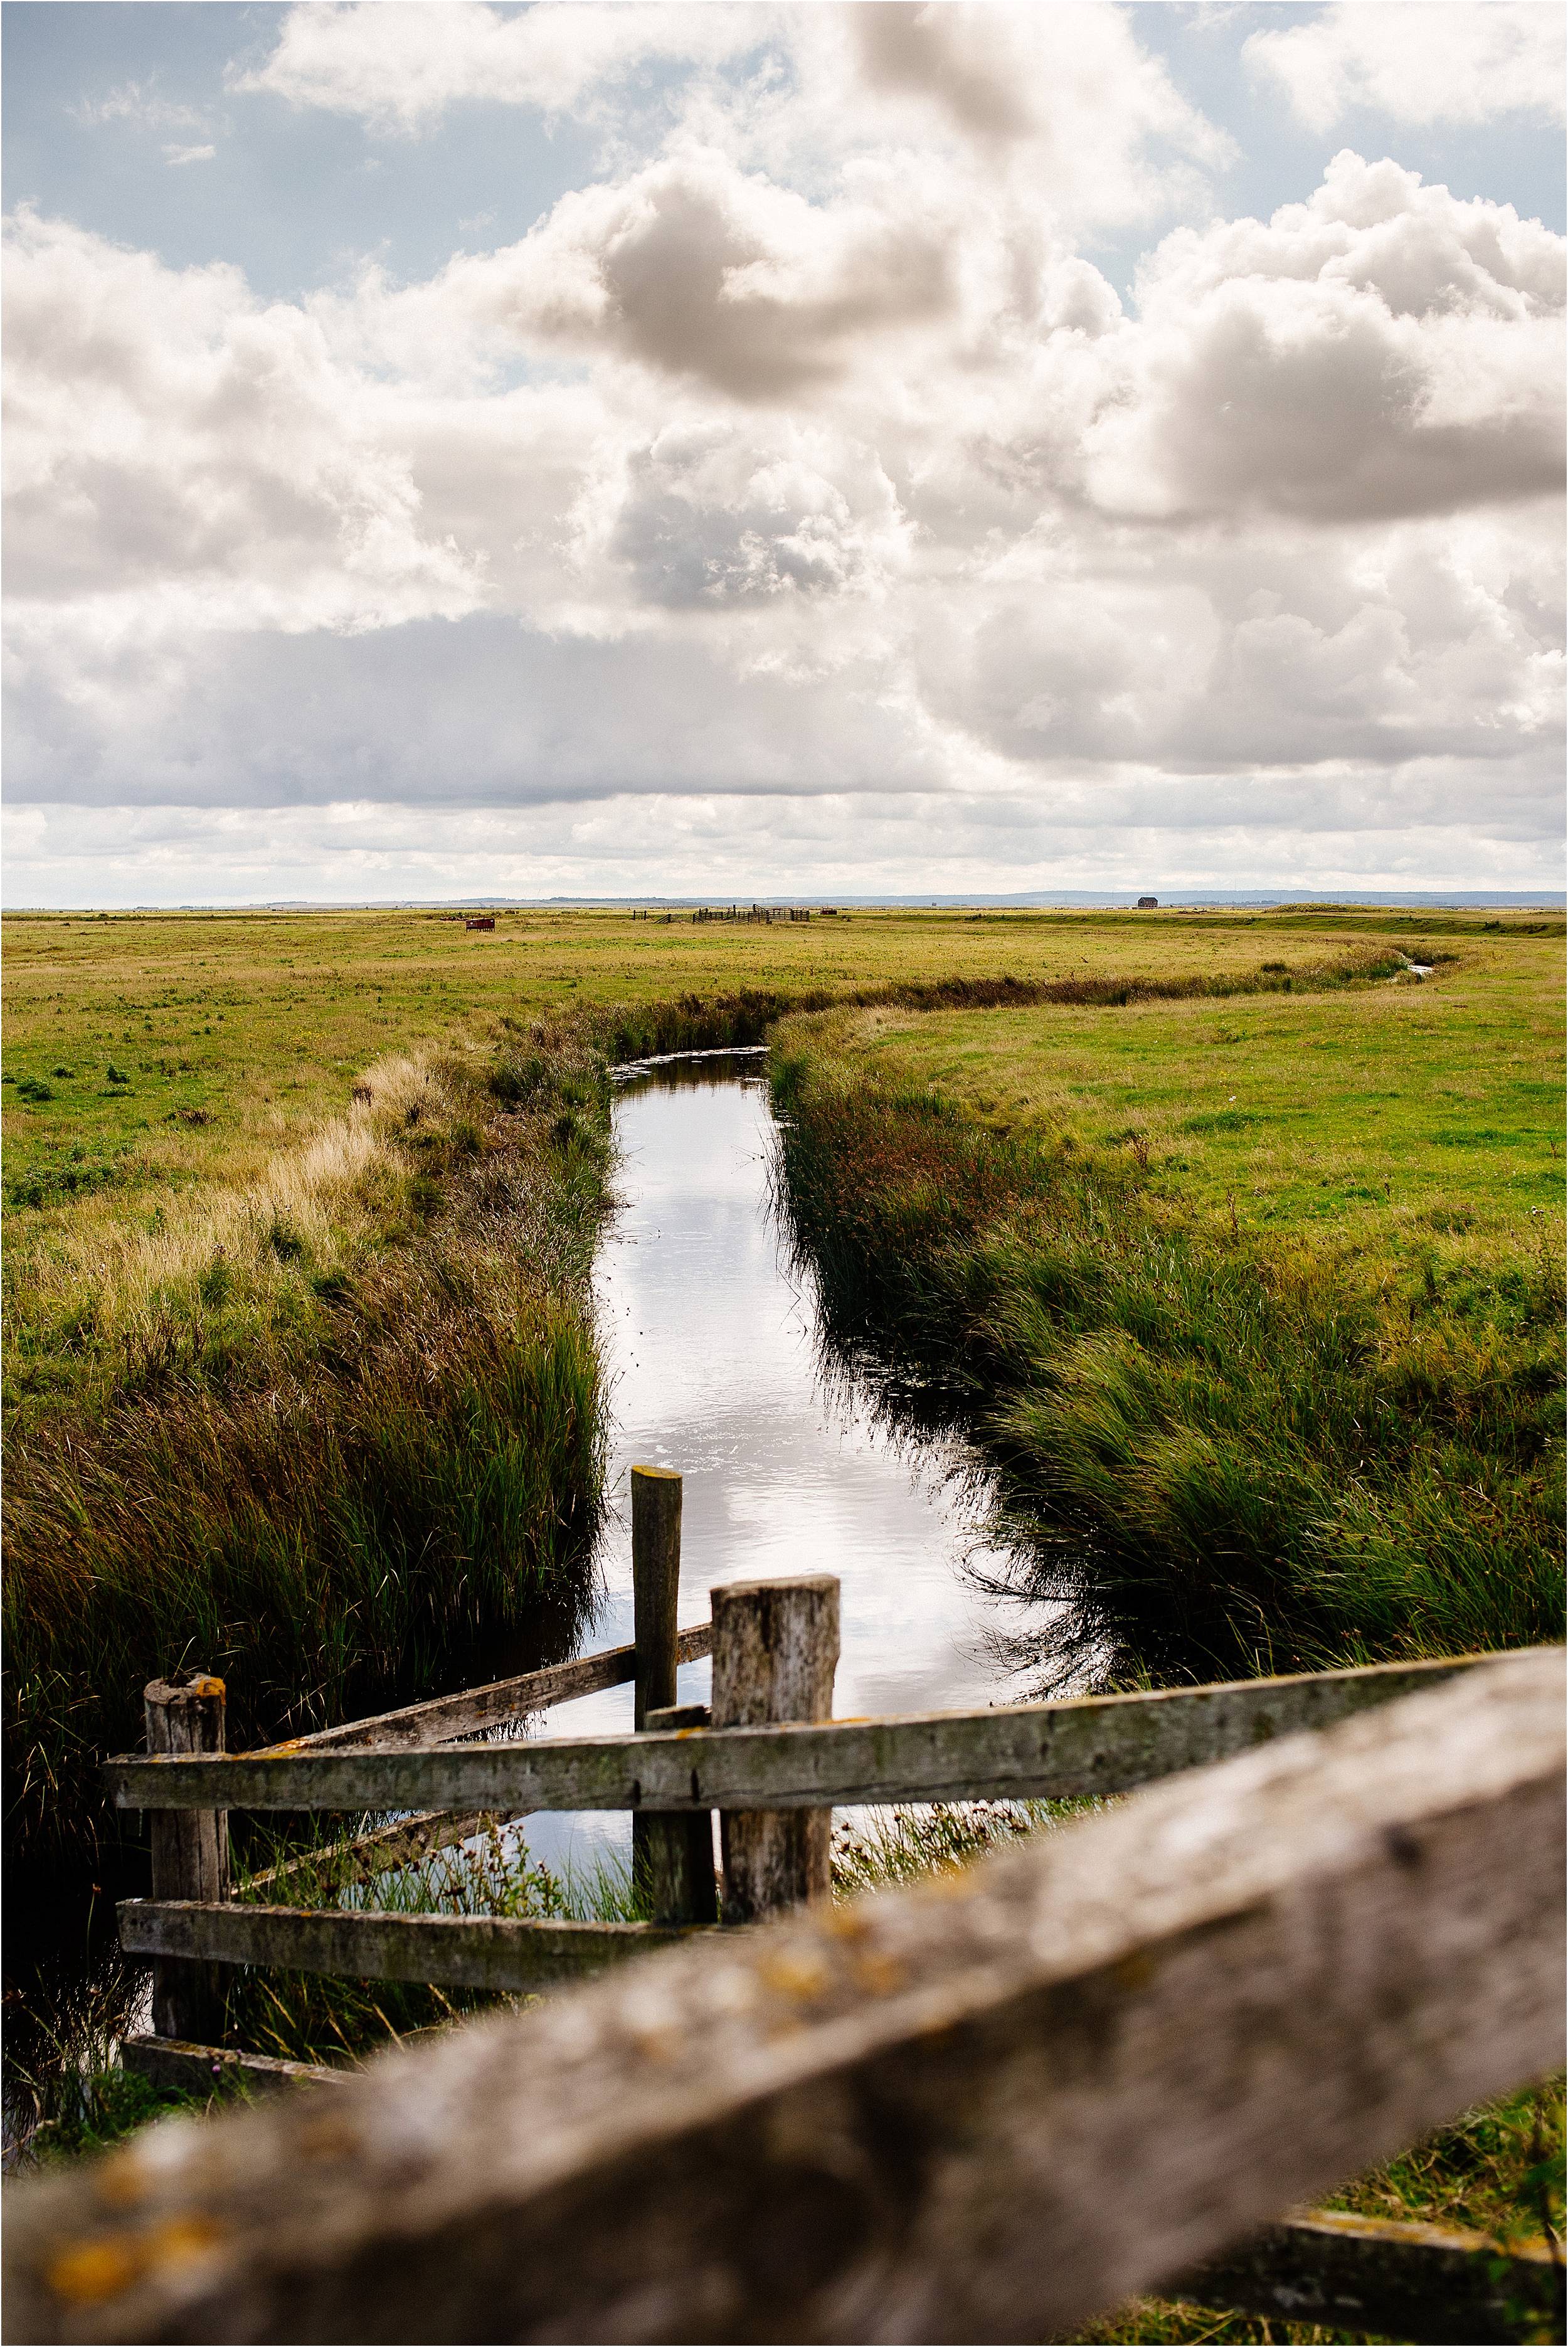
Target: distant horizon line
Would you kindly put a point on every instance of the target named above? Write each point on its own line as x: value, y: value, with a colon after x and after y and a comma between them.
x: 1021, y: 900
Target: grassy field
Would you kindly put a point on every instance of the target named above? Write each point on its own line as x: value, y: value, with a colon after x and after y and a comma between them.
x: 244, y: 1150
x: 1244, y: 1240
x: 300, y: 1216
x: 1262, y: 1300
x: 1367, y: 1115
x: 352, y: 1432
x: 156, y: 1060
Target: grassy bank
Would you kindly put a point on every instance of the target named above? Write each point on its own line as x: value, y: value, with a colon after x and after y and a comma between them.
x: 154, y: 1056
x: 1310, y: 1418
x: 252, y: 1373
x: 329, y: 1436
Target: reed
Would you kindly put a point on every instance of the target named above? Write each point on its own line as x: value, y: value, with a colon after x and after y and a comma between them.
x: 1273, y: 1455
x: 397, y: 1460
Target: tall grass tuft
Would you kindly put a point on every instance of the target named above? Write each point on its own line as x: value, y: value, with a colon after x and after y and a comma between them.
x: 397, y: 1469
x: 1277, y: 1456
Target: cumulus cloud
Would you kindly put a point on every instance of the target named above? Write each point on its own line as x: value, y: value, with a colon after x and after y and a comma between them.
x: 1421, y: 61
x: 804, y: 472
x: 178, y: 451
x: 707, y: 271
x: 1065, y: 95
x: 709, y: 516
x: 1382, y: 350
x: 1068, y: 87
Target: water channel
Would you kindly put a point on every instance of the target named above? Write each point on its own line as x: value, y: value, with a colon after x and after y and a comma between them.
x: 711, y: 1341
x: 716, y: 1364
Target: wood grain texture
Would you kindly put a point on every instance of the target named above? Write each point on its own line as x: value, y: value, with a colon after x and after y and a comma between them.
x: 655, y: 1585
x: 454, y: 1950
x: 1419, y: 2283
x: 776, y: 1651
x: 985, y: 2108
x: 1103, y: 1743
x: 446, y: 1717
x: 671, y: 1858
x: 189, y: 1846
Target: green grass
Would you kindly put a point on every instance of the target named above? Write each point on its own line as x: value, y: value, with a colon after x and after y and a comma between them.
x: 1242, y: 1241
x: 200, y: 1051
x: 1378, y: 1113
x: 334, y: 1477
x: 1315, y: 1417
x: 224, y: 1341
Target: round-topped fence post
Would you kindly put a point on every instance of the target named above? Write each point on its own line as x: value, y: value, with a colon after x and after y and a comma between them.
x: 775, y: 1650
x: 672, y: 1857
x: 189, y: 1852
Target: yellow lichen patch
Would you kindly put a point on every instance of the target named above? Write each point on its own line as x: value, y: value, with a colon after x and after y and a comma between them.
x: 97, y: 2270
x: 182, y: 2239
x: 878, y: 1973
x: 656, y: 2044
x: 797, y: 1974
x: 950, y: 1879
x: 1135, y: 1971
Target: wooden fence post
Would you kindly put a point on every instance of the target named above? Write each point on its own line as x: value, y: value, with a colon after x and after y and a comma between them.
x: 189, y: 1853
x: 776, y: 1649
x: 673, y: 1856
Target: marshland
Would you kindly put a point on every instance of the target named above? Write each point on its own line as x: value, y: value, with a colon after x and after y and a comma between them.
x: 1222, y: 1250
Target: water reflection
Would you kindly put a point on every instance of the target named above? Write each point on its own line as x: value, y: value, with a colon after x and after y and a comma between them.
x: 794, y: 1458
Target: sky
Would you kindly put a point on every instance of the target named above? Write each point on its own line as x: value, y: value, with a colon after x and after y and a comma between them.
x: 734, y: 450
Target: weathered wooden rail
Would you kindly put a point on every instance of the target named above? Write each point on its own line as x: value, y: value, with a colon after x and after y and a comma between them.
x: 769, y: 1760
x: 1102, y: 2063
x: 1048, y: 1751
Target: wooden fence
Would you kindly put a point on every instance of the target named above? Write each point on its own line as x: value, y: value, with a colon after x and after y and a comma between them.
x: 1361, y: 1855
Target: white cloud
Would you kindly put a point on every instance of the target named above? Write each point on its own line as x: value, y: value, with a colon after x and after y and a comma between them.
x: 179, y: 454
x: 189, y: 154
x: 711, y: 516
x: 400, y: 64
x: 704, y: 272
x: 1062, y: 97
x: 1382, y: 350
x: 1418, y: 60
x: 802, y: 475
x: 1291, y: 519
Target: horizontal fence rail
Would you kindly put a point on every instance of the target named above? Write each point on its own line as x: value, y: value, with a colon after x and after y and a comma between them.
x: 989, y: 2109
x: 1052, y: 1751
x: 180, y: 2067
x: 767, y: 1757
x: 444, y: 1718
x: 491, y: 1951
x: 1398, y: 2281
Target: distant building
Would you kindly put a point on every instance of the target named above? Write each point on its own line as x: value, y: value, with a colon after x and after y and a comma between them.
x: 1148, y: 904
x: 480, y: 921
